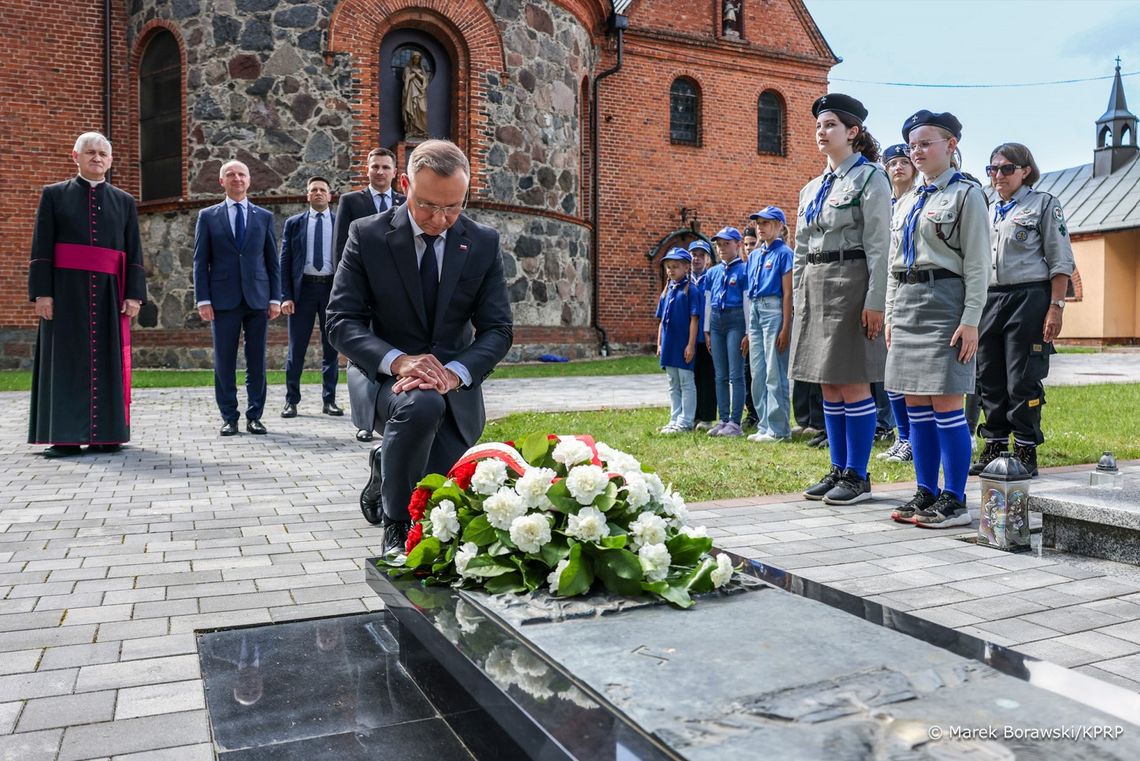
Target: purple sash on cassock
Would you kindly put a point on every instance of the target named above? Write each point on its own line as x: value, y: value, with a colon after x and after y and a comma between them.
x: 75, y: 256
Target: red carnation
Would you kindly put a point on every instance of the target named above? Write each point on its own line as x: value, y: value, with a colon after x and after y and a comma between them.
x: 415, y: 534
x: 463, y: 474
x: 418, y: 502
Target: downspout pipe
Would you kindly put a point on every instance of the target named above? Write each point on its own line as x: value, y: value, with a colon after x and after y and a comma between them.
x: 618, y: 23
x: 107, y: 69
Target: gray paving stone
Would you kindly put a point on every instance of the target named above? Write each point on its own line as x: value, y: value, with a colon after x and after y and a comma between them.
x: 1018, y: 630
x: 19, y: 661
x: 153, y: 699
x: 1076, y: 618
x: 110, y: 676
x: 947, y: 615
x: 66, y: 710
x: 1054, y: 651
x: 1096, y: 672
x: 9, y: 712
x: 19, y: 621
x: 69, y: 656
x: 31, y: 746
x: 145, y: 734
x: 155, y: 647
x: 38, y: 684
x: 200, y: 752
x: 99, y: 615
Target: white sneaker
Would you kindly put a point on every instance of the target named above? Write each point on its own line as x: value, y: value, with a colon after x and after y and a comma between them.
x: 903, y: 454
x: 890, y: 452
x: 765, y: 436
x: 668, y: 428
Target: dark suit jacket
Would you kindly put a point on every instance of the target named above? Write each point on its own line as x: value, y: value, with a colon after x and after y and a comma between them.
x: 293, y: 253
x: 351, y: 207
x: 223, y: 275
x: 377, y: 304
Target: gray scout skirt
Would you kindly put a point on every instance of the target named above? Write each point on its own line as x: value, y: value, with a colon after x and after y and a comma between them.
x: 921, y: 360
x: 828, y: 341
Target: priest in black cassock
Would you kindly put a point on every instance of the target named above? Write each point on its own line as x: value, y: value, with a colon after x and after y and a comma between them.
x: 87, y: 281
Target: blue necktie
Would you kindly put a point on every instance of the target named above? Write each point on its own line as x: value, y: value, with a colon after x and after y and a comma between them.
x: 319, y: 244
x: 912, y: 217
x: 1001, y: 209
x: 239, y: 226
x: 429, y: 277
x: 381, y: 203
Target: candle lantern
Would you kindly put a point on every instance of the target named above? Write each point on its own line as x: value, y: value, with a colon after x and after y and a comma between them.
x: 1004, y: 519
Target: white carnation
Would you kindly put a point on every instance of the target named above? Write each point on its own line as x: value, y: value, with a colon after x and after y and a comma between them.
x: 490, y: 474
x: 655, y: 561
x: 465, y: 555
x: 656, y: 487
x: 618, y: 461
x: 533, y: 484
x: 589, y: 525
x: 502, y: 507
x: 723, y: 571
x: 675, y: 508
x: 553, y: 576
x: 695, y: 532
x: 647, y: 529
x: 586, y: 482
x: 444, y: 521
x: 571, y: 452
x: 636, y: 490
x: 530, y: 532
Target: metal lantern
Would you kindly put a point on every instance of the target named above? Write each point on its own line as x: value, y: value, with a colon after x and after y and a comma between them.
x: 1106, y: 474
x: 1004, y: 520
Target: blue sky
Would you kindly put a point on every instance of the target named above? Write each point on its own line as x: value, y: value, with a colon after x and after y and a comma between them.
x: 975, y: 41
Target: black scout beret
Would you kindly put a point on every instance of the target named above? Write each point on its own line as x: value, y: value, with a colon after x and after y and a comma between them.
x: 840, y: 103
x: 924, y: 118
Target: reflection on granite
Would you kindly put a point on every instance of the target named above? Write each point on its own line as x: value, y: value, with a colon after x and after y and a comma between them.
x: 754, y: 676
x: 325, y: 689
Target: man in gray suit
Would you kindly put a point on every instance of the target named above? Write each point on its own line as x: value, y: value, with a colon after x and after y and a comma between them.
x: 419, y: 303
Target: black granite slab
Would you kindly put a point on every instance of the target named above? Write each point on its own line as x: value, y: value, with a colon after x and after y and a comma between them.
x: 760, y: 674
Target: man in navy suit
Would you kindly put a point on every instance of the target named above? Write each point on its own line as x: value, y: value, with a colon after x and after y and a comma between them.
x: 419, y: 303
x: 378, y: 197
x: 306, y: 279
x: 238, y: 288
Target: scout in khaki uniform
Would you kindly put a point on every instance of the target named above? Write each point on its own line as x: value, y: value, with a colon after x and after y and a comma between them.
x: 1032, y: 261
x: 939, y: 273
x: 839, y: 291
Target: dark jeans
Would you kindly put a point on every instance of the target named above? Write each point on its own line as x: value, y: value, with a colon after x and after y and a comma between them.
x: 807, y: 403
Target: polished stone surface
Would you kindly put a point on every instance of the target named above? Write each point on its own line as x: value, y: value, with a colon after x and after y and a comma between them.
x: 764, y: 674
x: 322, y: 689
x: 1095, y: 521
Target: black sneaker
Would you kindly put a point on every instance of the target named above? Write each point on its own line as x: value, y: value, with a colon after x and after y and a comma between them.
x: 992, y: 451
x: 819, y: 441
x: 947, y: 512
x: 826, y: 484
x: 884, y: 436
x: 851, y: 488
x: 1027, y: 453
x: 922, y: 499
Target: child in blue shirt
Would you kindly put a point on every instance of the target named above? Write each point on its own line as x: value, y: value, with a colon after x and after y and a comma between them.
x: 768, y: 311
x: 703, y: 370
x: 679, y: 309
x: 724, y: 329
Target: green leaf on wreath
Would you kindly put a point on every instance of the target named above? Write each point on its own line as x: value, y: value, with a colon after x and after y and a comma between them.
x: 479, y: 531
x: 423, y: 553
x: 507, y: 583
x: 560, y: 498
x: 671, y: 594
x: 452, y: 492
x: 700, y: 578
x: 615, y: 541
x: 623, y: 563
x: 533, y: 574
x: 534, y: 448
x: 553, y: 551
x: 687, y: 550
x: 607, y: 499
x: 486, y: 567
x: 578, y: 574
x: 505, y: 538
x: 433, y: 481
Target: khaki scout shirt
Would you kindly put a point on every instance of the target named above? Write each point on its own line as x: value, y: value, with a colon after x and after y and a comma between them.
x: 856, y: 216
x: 1032, y: 243
x: 957, y: 211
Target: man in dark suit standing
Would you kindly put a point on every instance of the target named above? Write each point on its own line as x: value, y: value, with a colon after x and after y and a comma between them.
x: 420, y: 304
x: 306, y: 280
x: 378, y: 197
x: 238, y: 288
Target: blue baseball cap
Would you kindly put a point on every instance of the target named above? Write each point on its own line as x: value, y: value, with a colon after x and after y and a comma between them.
x: 771, y: 212
x: 678, y: 253
x: 700, y: 245
x: 729, y: 233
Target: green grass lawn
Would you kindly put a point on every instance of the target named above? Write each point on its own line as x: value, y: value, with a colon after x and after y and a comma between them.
x: 21, y: 380
x: 1080, y: 423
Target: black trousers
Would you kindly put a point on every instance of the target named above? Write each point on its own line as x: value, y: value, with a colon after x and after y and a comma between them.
x: 807, y: 404
x: 748, y: 403
x: 705, y: 376
x: 1013, y: 359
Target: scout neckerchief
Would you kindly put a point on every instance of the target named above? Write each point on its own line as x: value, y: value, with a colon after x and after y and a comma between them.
x: 912, y: 217
x: 816, y: 206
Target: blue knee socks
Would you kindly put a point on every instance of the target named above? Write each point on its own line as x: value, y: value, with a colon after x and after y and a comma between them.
x: 860, y: 433
x: 836, y: 425
x: 898, y: 407
x: 925, y: 446
x: 954, y: 439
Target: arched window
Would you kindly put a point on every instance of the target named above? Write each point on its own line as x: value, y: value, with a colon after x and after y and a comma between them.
x: 770, y: 123
x: 1104, y: 138
x: 160, y: 118
x: 684, y: 112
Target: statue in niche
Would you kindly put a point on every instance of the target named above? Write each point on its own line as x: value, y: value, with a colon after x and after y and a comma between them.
x: 732, y: 18
x: 415, y: 98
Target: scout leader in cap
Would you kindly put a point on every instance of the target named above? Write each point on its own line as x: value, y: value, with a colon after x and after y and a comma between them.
x: 939, y: 273
x: 1032, y: 261
x: 839, y: 291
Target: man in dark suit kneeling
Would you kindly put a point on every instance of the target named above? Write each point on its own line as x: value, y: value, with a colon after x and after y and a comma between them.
x: 419, y: 303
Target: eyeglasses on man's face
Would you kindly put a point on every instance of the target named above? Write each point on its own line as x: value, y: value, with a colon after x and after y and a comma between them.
x: 447, y: 211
